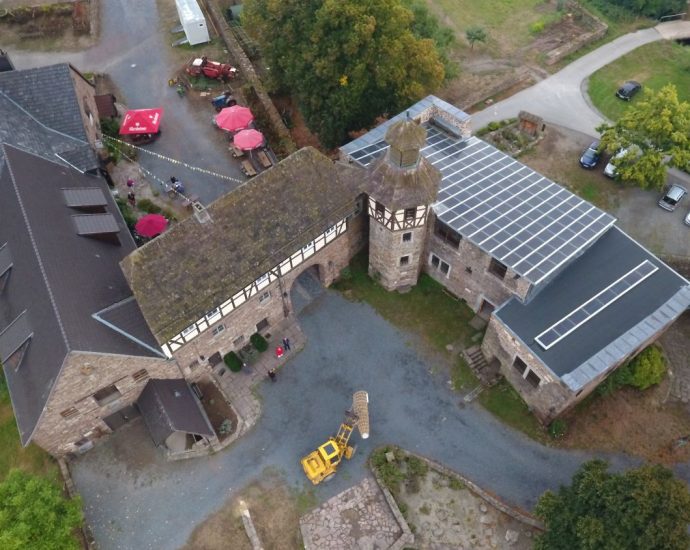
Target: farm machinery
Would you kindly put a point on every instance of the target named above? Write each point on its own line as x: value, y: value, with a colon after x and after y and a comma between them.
x: 201, y: 66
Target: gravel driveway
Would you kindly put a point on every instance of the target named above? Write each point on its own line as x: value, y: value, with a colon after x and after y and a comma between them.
x: 134, y: 49
x: 134, y: 499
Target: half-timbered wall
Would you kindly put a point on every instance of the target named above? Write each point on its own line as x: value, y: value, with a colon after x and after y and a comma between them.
x: 407, y: 218
x: 255, y: 288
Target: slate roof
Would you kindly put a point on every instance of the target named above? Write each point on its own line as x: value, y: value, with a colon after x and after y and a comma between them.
x: 39, y: 112
x: 60, y: 279
x: 170, y: 406
x: 618, y: 329
x: 194, y: 267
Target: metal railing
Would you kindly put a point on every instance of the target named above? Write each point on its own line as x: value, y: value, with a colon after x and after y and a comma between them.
x: 666, y: 18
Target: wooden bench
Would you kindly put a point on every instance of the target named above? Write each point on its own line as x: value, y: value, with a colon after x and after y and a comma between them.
x: 264, y: 159
x: 248, y: 168
x: 236, y: 152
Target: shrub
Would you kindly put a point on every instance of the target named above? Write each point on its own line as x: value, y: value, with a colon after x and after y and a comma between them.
x: 647, y: 369
x: 537, y: 27
x: 232, y: 361
x: 127, y: 212
x: 558, y: 428
x: 148, y: 206
x: 259, y: 342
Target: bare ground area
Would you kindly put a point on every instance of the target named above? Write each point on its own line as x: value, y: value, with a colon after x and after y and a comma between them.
x: 633, y: 422
x: 48, y: 25
x: 274, y: 510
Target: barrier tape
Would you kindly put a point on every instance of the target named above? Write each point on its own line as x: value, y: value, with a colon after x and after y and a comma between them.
x: 174, y: 161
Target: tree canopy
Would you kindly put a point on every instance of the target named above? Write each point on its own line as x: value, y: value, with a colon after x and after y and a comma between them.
x: 34, y: 514
x: 474, y: 34
x: 645, y: 508
x: 345, y: 61
x: 656, y: 132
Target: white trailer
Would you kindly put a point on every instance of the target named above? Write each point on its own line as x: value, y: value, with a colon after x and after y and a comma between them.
x: 193, y: 21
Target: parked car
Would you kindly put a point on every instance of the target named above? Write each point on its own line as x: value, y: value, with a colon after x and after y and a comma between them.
x: 671, y: 199
x: 686, y: 220
x: 590, y: 157
x: 628, y: 90
x: 610, y: 169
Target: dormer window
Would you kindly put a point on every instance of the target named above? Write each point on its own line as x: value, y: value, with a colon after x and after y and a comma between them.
x: 15, y: 340
x: 5, y: 265
x: 380, y: 211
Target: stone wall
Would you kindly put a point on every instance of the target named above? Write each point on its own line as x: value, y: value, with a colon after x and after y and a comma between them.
x: 469, y: 277
x: 83, y: 374
x: 241, y: 323
x: 599, y: 31
x: 386, y: 248
x: 551, y: 397
x: 86, y: 96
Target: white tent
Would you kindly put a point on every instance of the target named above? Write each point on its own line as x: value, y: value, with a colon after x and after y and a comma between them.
x: 193, y: 21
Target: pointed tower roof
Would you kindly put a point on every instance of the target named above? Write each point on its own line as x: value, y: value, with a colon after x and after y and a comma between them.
x: 402, y: 177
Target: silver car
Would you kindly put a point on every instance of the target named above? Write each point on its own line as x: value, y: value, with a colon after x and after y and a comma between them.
x: 671, y: 199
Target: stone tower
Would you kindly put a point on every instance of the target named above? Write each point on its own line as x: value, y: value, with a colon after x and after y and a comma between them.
x: 401, y: 186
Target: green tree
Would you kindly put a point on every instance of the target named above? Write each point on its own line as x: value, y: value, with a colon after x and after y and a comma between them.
x: 345, y: 61
x: 34, y: 514
x: 475, y: 33
x: 645, y: 508
x: 656, y: 132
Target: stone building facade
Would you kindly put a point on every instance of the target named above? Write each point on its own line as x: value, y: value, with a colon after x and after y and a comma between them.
x: 90, y: 389
x: 86, y: 97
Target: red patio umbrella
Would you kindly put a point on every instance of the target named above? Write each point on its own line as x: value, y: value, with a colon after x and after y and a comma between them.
x: 234, y: 118
x: 141, y: 121
x: 248, y: 139
x: 151, y: 225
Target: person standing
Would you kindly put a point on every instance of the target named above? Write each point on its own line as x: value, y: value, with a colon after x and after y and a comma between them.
x: 272, y: 375
x: 286, y: 344
x: 132, y: 198
x: 279, y: 352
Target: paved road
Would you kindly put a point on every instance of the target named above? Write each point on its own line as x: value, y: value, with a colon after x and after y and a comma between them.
x: 134, y: 49
x: 133, y: 499
x: 560, y: 98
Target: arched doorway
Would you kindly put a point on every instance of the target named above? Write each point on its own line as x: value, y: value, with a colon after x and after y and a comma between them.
x: 306, y: 288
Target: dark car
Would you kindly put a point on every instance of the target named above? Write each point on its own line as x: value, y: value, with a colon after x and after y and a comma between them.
x: 674, y: 194
x: 628, y: 90
x: 590, y: 157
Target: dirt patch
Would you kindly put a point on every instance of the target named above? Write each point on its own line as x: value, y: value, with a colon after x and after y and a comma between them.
x: 274, y: 511
x: 632, y: 422
x: 220, y: 413
x: 301, y: 135
x: 48, y: 26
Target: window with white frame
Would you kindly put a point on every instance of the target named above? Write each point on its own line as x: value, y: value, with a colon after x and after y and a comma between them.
x: 265, y: 297
x: 218, y: 329
x: 211, y: 314
x: 308, y: 248
x: 438, y: 264
x: 188, y: 330
x: 262, y: 279
x: 330, y: 230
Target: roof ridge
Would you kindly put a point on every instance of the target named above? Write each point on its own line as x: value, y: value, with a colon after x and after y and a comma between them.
x: 35, y: 249
x: 27, y: 113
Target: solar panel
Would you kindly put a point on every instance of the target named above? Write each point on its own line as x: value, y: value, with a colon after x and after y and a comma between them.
x: 95, y: 224
x: 529, y: 223
x: 5, y: 258
x: 556, y: 332
x: 84, y: 196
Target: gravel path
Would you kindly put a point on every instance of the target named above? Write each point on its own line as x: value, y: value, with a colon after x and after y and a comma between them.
x: 134, y: 499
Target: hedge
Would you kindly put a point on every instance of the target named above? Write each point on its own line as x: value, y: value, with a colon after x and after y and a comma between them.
x: 232, y: 361
x: 259, y: 342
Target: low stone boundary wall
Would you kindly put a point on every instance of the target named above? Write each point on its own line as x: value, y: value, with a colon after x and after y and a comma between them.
x: 519, y: 76
x: 601, y: 28
x: 87, y: 537
x: 286, y: 145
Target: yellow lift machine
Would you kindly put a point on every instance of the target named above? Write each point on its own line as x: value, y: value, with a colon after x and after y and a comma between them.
x: 321, y: 464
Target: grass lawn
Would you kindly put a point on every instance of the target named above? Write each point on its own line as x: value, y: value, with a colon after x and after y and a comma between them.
x: 426, y: 309
x: 439, y: 319
x: 505, y: 403
x: 12, y: 455
x: 653, y: 65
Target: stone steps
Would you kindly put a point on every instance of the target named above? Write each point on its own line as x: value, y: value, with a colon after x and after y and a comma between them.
x: 488, y: 373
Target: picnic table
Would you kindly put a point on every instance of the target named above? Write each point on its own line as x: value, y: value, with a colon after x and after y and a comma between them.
x: 264, y: 159
x: 248, y: 168
x: 236, y: 151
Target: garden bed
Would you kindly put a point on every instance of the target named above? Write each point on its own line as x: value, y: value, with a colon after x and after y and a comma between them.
x: 220, y: 413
